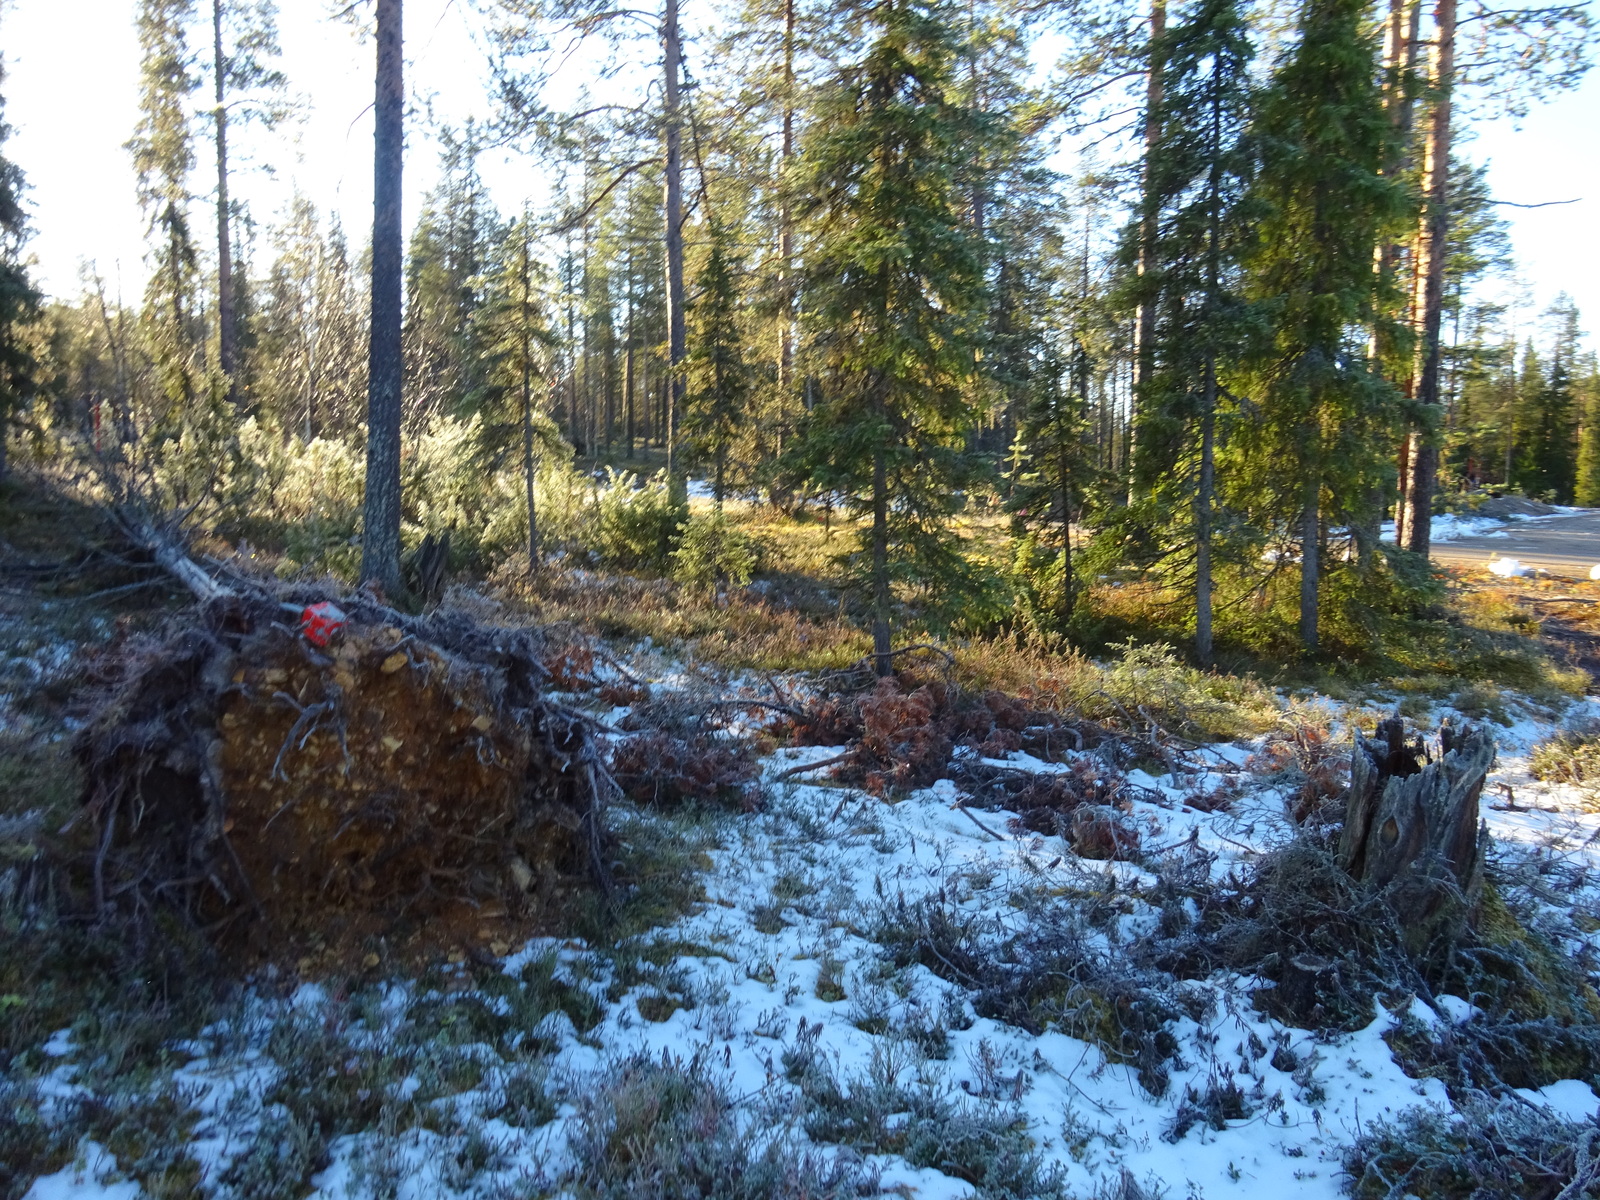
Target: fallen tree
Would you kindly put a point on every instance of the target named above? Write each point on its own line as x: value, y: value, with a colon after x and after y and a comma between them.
x: 295, y: 769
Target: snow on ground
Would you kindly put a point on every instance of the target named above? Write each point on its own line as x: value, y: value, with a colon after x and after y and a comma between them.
x: 1448, y: 527
x: 791, y: 897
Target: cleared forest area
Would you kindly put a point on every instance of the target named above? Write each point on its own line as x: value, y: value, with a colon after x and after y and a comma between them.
x: 872, y: 632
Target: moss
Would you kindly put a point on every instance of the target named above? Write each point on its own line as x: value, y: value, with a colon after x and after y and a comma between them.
x: 1515, y: 973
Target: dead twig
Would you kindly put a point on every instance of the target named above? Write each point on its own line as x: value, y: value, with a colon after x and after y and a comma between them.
x: 813, y: 766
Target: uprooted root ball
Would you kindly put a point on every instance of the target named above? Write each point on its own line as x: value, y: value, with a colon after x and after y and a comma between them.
x: 407, y: 782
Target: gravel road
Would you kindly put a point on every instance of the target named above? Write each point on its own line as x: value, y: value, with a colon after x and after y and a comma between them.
x: 1567, y: 546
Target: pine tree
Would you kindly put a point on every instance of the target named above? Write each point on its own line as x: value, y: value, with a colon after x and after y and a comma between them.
x: 19, y: 302
x: 380, y: 539
x: 894, y: 286
x: 1310, y: 453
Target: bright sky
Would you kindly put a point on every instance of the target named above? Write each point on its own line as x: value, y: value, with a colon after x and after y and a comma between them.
x: 72, y: 91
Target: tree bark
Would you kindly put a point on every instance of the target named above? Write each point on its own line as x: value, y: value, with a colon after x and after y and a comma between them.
x: 880, y: 566
x: 1202, y: 518
x: 380, y: 541
x: 1144, y: 321
x: 1431, y: 256
x: 1412, y: 827
x: 1400, y: 37
x: 786, y: 224
x: 677, y: 332
x: 528, y: 465
x: 227, y: 335
x: 1310, y: 538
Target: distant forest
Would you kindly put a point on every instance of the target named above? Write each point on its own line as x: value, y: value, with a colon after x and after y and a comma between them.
x: 1195, y: 292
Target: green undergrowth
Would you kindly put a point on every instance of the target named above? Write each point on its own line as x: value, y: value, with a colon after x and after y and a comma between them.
x: 1570, y: 756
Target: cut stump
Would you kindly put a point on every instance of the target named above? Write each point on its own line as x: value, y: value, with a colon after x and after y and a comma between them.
x: 1412, y: 828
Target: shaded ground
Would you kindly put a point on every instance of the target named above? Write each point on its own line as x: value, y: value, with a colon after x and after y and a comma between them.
x: 1566, y: 612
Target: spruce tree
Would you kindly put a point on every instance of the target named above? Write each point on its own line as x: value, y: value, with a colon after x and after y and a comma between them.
x: 1586, y: 485
x: 1546, y: 457
x: 1194, y: 227
x: 1320, y: 415
x: 893, y: 290
x: 719, y: 379
x: 19, y: 302
x: 163, y: 155
x: 512, y: 333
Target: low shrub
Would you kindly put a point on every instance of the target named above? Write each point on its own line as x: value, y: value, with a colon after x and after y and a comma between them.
x: 1047, y: 970
x: 894, y: 1108
x: 1487, y: 1149
x: 1295, y: 918
x: 650, y: 1127
x: 639, y: 524
x: 714, y: 554
x: 1571, y: 756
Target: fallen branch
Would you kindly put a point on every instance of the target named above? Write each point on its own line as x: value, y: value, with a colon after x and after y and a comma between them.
x: 813, y: 766
x: 966, y: 812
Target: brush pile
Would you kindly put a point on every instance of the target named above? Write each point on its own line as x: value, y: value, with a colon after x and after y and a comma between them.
x: 365, y: 781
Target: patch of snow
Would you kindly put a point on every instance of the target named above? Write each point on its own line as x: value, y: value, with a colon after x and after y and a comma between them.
x: 92, y: 1177
x: 1569, y: 1099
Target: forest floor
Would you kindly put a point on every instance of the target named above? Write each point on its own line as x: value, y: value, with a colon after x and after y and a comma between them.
x: 821, y: 986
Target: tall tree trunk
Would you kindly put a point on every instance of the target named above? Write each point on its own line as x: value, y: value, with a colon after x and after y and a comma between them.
x: 1144, y: 321
x: 1399, y: 102
x: 1431, y: 256
x: 1202, y: 516
x: 677, y: 333
x: 380, y: 540
x: 786, y: 228
x: 880, y: 566
x: 628, y: 383
x: 1310, y: 540
x: 1069, y: 583
x: 528, y: 465
x: 226, y: 333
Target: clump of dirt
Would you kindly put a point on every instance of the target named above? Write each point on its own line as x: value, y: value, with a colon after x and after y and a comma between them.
x: 407, y: 788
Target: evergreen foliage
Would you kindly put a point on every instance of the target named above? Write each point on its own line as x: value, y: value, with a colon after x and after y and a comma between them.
x: 893, y: 288
x: 19, y: 301
x: 1200, y: 214
x: 720, y: 382
x: 1321, y: 415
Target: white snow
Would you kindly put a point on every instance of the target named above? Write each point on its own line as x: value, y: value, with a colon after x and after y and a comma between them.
x: 93, y: 1177
x: 1449, y: 527
x: 841, y: 855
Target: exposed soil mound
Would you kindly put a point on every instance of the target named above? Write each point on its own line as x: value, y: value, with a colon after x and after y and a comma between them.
x: 406, y: 785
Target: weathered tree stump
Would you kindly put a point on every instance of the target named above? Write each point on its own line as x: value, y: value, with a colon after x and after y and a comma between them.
x: 1412, y: 828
